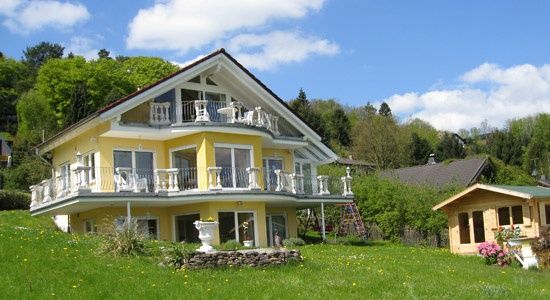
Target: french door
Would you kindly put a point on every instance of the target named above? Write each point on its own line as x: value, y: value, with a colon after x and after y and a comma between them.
x: 270, y: 179
x: 276, y: 226
x: 237, y: 225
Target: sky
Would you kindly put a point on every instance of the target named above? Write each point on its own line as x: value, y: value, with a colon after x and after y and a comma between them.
x: 454, y: 64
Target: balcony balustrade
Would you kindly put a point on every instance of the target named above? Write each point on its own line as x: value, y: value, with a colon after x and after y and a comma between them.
x: 213, y: 111
x: 184, y: 180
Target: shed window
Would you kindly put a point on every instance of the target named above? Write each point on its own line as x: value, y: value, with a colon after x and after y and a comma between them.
x: 510, y: 215
x: 517, y: 214
x: 463, y: 228
x: 504, y: 216
x: 547, y: 211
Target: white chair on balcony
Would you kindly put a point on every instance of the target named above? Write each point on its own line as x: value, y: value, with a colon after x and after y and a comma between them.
x: 141, y: 185
x: 121, y: 185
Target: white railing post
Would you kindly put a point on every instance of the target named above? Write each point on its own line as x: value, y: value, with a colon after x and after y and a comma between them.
x: 159, y: 113
x: 35, y: 195
x: 275, y: 125
x: 253, y: 175
x: 297, y: 183
x: 214, y: 176
x: 159, y: 180
x: 322, y: 181
x: 82, y: 177
x: 346, y: 180
x: 201, y: 111
x: 45, y: 190
x: 280, y: 180
x: 172, y: 180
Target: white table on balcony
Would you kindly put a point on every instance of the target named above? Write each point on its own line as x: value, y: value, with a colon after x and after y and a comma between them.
x: 230, y: 111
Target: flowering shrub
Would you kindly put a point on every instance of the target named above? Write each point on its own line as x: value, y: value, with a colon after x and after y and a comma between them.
x: 504, y: 234
x: 493, y: 254
x: 541, y: 247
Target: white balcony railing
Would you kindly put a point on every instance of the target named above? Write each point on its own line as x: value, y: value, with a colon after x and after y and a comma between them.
x: 159, y: 113
x: 131, y: 180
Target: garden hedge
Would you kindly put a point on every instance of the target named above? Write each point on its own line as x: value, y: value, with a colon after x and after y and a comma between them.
x: 11, y: 200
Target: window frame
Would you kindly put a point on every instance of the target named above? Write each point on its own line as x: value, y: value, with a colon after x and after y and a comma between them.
x: 232, y: 147
x: 511, y: 216
x: 140, y: 218
x: 236, y: 225
x: 93, y: 226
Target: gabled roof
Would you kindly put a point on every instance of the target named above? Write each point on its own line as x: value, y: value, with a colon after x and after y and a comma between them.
x: 115, y: 106
x: 462, y: 172
x: 524, y: 192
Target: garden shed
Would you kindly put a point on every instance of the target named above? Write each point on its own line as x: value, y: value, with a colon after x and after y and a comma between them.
x: 476, y: 213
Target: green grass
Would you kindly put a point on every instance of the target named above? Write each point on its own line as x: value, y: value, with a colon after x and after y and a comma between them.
x: 38, y: 262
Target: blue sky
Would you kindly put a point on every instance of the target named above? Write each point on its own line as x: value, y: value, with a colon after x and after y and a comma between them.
x: 452, y: 63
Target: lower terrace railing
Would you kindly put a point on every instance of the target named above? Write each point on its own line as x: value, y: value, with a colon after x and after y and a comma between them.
x: 123, y: 179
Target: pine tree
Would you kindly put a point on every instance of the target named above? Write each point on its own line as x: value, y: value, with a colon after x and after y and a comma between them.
x: 384, y: 110
x: 420, y: 150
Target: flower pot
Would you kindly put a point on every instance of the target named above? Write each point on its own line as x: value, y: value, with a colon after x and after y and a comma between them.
x: 206, y: 235
x: 248, y: 243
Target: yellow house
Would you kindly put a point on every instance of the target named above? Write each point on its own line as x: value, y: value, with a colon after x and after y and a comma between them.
x: 210, y: 140
x: 476, y: 213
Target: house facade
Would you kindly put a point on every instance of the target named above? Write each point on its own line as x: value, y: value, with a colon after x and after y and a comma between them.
x: 475, y: 214
x: 209, y: 141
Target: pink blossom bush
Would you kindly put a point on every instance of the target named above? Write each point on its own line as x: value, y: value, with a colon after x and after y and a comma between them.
x: 493, y: 254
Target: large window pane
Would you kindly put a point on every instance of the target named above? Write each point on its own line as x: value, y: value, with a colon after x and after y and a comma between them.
x: 123, y: 159
x: 479, y: 227
x: 306, y: 171
x: 148, y: 227
x: 270, y: 178
x: 185, y: 229
x: 517, y: 214
x: 504, y: 216
x: 249, y: 218
x: 242, y: 161
x: 223, y: 159
x: 547, y: 212
x: 226, y: 226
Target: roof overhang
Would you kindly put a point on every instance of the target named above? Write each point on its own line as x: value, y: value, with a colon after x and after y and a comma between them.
x: 479, y: 186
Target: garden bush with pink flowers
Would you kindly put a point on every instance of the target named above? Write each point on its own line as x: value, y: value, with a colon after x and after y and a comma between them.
x: 494, y: 254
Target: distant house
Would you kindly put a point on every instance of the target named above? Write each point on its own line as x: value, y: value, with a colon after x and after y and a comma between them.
x: 477, y: 212
x: 464, y: 172
x: 355, y: 164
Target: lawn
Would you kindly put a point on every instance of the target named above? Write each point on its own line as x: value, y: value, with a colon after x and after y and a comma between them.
x: 37, y: 261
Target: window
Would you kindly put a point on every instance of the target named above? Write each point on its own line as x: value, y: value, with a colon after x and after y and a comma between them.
x: 303, y: 168
x: 233, y: 161
x: 464, y: 228
x: 65, y: 173
x: 232, y: 226
x: 140, y: 163
x: 547, y: 211
x: 148, y: 226
x: 89, y: 226
x: 479, y: 227
x: 89, y: 161
x: 276, y: 226
x: 185, y: 229
x: 510, y: 215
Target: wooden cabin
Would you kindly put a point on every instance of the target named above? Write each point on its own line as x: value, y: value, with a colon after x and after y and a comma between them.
x: 478, y: 211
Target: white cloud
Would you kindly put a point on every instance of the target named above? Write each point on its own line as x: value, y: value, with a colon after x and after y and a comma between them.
x: 182, y: 26
x: 513, y: 92
x: 83, y: 46
x: 23, y: 16
x: 265, y: 51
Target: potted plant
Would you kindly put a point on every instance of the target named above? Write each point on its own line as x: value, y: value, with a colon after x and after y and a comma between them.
x: 206, y: 233
x: 508, y: 235
x: 247, y: 241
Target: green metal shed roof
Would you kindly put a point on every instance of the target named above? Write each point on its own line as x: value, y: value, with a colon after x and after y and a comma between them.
x: 535, y: 191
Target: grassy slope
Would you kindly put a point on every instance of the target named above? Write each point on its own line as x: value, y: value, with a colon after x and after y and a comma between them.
x: 36, y: 261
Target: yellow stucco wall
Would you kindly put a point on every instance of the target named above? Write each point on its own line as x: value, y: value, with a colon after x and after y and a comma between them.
x: 104, y: 216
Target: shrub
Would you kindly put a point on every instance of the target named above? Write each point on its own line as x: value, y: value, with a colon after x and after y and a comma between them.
x: 11, y: 200
x: 541, y: 247
x: 125, y: 240
x: 351, y: 240
x: 176, y: 255
x: 493, y: 254
x: 230, y: 245
x: 293, y: 242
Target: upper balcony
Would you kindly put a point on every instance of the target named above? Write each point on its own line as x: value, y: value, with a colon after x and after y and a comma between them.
x: 126, y: 182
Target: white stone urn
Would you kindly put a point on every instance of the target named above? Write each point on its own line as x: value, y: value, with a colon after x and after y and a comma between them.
x: 248, y: 243
x: 206, y: 234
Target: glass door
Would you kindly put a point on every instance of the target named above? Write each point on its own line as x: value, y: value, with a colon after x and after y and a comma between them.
x: 185, y: 229
x: 239, y: 226
x: 304, y: 168
x: 276, y: 227
x: 144, y: 170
